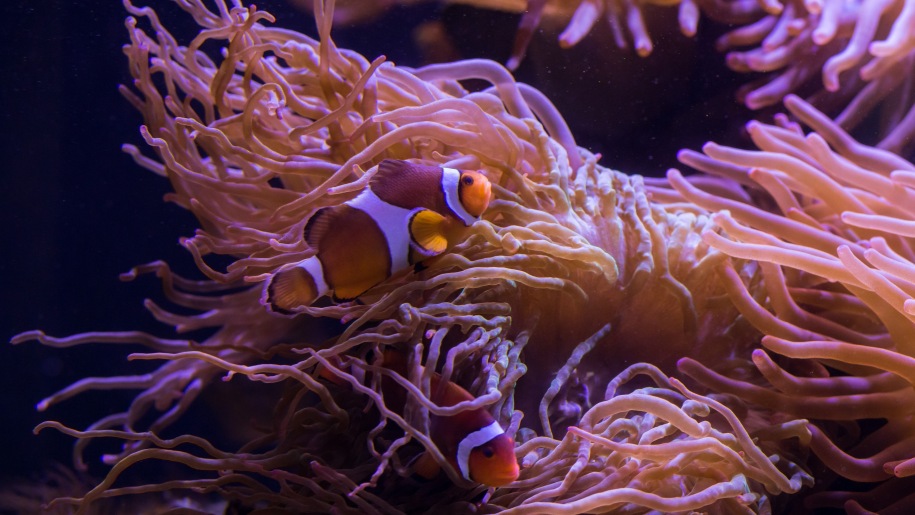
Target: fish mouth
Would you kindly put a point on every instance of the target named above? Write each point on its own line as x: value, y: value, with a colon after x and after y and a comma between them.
x: 501, y: 481
x: 503, y: 477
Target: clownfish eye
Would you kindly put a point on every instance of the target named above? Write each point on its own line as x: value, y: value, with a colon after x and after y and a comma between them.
x: 487, y: 452
x: 467, y: 180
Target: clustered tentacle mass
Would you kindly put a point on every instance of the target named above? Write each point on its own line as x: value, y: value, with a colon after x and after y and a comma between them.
x: 650, y: 345
x: 836, y: 303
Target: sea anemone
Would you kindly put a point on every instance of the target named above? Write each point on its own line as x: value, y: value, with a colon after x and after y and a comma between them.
x: 852, y: 58
x: 836, y: 302
x: 547, y: 307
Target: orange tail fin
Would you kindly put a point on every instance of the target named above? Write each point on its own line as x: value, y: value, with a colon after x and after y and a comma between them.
x: 290, y: 289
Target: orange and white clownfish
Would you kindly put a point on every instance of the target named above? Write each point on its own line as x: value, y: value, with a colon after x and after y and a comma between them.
x: 407, y: 213
x: 472, y: 441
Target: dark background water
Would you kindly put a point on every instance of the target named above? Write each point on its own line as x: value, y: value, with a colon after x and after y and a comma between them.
x: 77, y: 211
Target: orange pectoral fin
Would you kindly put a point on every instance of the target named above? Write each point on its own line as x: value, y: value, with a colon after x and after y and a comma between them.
x: 427, y: 228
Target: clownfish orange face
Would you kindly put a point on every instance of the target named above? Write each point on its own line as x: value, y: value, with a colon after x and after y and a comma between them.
x: 494, y: 462
x: 474, y: 192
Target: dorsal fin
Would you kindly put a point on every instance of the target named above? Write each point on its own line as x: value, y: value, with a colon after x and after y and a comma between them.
x: 448, y: 393
x: 318, y: 225
x: 409, y: 185
x: 391, y: 169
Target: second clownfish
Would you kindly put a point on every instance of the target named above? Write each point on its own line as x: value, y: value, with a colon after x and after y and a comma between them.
x: 472, y: 441
x: 407, y: 213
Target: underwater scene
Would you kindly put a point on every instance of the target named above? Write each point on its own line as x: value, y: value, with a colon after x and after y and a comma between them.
x: 459, y: 256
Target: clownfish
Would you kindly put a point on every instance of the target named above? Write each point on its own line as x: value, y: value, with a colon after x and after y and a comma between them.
x: 407, y: 213
x: 472, y: 441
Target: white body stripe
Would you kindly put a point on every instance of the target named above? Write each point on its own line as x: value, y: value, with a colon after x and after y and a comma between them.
x: 450, y: 185
x: 393, y: 221
x: 314, y: 268
x: 471, y: 442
